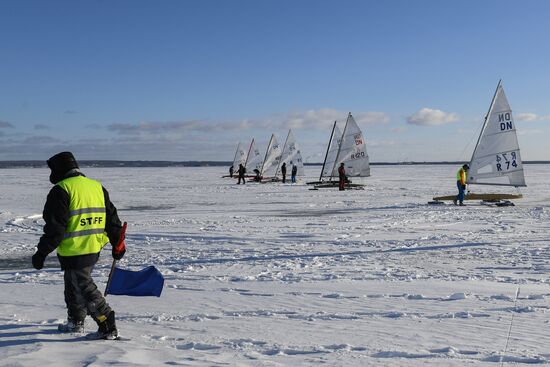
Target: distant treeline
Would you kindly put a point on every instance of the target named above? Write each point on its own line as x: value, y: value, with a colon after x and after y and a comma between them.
x: 106, y: 163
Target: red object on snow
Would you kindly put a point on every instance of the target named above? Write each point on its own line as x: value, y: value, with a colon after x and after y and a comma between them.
x: 120, y: 247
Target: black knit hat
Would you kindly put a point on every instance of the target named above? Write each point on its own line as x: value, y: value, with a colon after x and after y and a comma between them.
x: 60, y: 164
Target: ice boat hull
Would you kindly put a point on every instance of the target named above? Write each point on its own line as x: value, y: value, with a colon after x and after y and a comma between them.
x: 484, y: 197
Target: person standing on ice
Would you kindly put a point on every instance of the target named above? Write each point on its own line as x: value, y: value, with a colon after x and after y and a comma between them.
x: 293, y: 174
x: 231, y: 171
x: 283, y: 171
x: 461, y: 184
x: 241, y: 172
x: 80, y: 220
x: 341, y: 177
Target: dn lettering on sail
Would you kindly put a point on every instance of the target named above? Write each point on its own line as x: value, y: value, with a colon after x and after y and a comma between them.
x: 505, y: 120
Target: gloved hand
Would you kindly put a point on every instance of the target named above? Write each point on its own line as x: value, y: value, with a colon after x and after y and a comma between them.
x: 38, y: 260
x: 463, y: 187
x: 119, y: 250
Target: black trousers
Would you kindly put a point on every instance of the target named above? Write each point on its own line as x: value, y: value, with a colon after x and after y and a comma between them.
x: 82, y: 296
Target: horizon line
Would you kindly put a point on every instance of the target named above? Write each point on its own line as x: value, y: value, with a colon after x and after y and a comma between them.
x: 193, y: 163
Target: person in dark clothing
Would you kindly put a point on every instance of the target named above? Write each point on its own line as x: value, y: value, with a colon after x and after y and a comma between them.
x: 294, y: 172
x: 283, y: 171
x: 241, y: 172
x: 231, y: 171
x: 79, y: 220
x: 341, y: 177
x: 257, y: 175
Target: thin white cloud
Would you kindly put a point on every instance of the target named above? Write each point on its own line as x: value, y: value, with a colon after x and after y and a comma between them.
x: 370, y: 118
x: 321, y: 119
x: 39, y: 140
x: 381, y: 143
x: 398, y: 130
x: 170, y: 127
x: 431, y: 117
x: 532, y: 117
x: 524, y: 132
x: 465, y: 131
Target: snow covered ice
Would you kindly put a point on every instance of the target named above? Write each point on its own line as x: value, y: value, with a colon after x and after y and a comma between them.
x: 279, y: 275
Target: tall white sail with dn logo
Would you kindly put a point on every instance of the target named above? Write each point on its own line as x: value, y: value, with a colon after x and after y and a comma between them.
x: 253, y: 159
x: 332, y: 152
x: 291, y: 155
x: 496, y: 159
x: 352, y: 152
x: 272, y: 158
x: 240, y: 156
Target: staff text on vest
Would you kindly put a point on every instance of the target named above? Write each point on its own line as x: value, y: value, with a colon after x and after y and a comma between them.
x: 90, y: 220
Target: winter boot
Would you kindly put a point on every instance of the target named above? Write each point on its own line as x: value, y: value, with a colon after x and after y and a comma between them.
x: 461, y: 203
x: 454, y: 202
x: 72, y: 326
x: 107, y: 329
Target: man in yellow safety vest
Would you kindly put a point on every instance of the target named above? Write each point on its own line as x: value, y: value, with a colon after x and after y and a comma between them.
x: 79, y: 220
x: 461, y: 184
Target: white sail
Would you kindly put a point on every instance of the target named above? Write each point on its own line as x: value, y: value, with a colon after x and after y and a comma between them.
x: 299, y: 163
x: 353, y: 151
x: 291, y: 156
x: 334, y: 147
x: 496, y: 159
x: 254, y: 159
x: 272, y: 158
x: 240, y: 156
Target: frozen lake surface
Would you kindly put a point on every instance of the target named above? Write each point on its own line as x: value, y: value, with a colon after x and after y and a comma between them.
x: 279, y: 275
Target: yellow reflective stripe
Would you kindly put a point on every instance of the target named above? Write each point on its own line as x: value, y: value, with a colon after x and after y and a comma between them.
x: 84, y: 233
x: 86, y: 210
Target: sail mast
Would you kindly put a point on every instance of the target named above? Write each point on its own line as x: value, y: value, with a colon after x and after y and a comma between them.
x: 236, y: 152
x: 340, y: 147
x: 266, y: 152
x: 485, y: 122
x: 249, y: 148
x: 283, y: 152
x: 328, y: 148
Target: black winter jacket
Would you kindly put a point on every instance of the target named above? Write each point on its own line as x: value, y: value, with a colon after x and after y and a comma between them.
x: 56, y: 216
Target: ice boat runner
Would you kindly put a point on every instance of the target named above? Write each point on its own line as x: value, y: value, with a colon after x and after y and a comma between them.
x: 291, y: 156
x: 352, y: 151
x: 271, y: 160
x: 496, y: 159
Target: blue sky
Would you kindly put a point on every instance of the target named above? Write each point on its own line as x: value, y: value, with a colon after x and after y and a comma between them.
x: 187, y: 80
